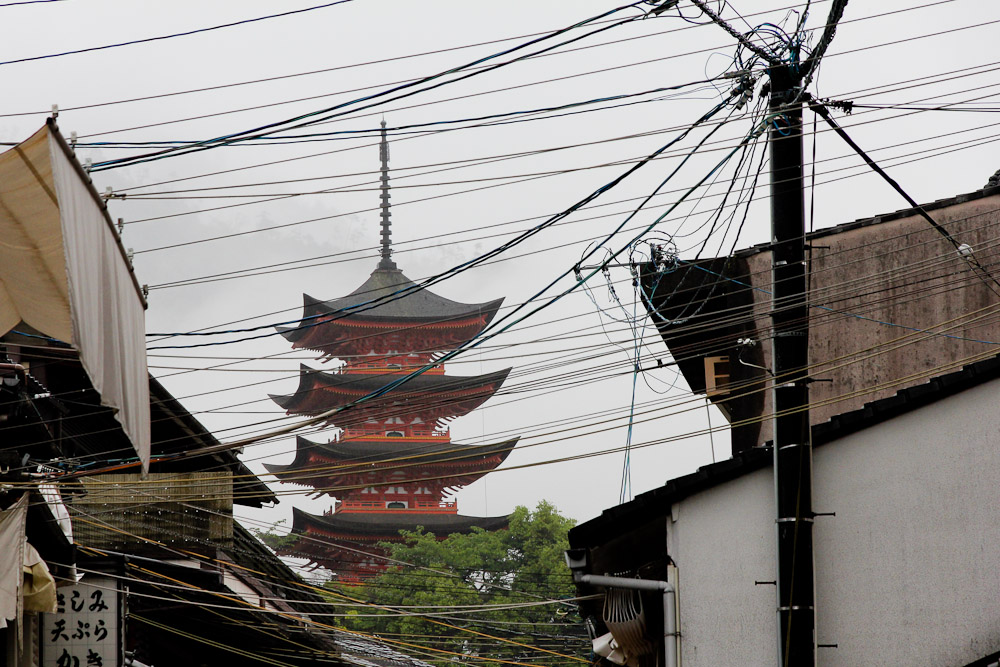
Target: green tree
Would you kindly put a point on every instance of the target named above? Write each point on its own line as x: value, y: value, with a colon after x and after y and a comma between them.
x: 273, y: 536
x: 510, y: 574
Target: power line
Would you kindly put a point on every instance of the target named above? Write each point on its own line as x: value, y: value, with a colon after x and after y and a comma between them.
x: 171, y: 36
x: 369, y: 101
x: 393, y: 83
x: 28, y: 2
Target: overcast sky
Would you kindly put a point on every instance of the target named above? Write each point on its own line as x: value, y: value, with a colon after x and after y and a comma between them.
x: 288, y: 238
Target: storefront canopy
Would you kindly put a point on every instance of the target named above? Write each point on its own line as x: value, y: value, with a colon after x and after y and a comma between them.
x: 63, y: 271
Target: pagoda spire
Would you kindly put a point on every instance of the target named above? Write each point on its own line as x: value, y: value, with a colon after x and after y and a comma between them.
x: 386, y: 262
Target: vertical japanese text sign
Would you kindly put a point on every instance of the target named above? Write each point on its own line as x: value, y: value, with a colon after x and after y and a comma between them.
x: 85, y: 630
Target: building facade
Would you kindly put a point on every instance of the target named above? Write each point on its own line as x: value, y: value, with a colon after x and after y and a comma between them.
x: 906, y: 570
x: 118, y: 546
x: 891, y: 303
x: 903, y: 377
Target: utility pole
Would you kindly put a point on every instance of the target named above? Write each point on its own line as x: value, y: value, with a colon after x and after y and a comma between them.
x: 792, y: 441
x: 789, y: 360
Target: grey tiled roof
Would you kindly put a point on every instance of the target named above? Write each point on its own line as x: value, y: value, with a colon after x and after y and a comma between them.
x: 359, y: 382
x: 417, y: 304
x: 364, y: 451
x: 390, y: 523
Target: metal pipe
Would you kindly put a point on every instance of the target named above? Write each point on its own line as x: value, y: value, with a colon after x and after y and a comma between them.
x: 669, y: 606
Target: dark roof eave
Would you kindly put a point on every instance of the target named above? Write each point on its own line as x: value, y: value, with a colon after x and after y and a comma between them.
x: 390, y: 523
x: 354, y: 450
x: 245, y: 479
x: 489, y: 309
x: 372, y: 383
x: 884, y: 217
x: 655, y: 503
x: 384, y: 283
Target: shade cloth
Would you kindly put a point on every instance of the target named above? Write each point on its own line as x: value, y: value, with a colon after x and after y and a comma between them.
x: 12, y: 542
x: 39, y: 587
x: 63, y: 272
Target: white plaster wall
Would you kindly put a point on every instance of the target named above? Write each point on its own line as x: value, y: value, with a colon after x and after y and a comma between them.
x: 907, y: 573
x: 722, y: 543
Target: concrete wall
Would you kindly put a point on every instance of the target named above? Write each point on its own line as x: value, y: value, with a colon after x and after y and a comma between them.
x: 907, y: 573
x: 897, y: 272
x: 721, y: 543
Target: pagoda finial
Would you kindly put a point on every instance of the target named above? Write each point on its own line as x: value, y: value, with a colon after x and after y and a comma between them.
x: 383, y: 150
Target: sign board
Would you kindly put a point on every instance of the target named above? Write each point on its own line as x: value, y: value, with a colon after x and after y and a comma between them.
x: 85, y: 630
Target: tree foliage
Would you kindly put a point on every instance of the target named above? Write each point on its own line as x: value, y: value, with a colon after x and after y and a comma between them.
x: 505, y: 571
x: 274, y: 537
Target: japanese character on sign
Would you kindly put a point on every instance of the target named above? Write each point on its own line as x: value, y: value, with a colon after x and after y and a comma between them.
x: 67, y: 660
x: 59, y: 630
x: 82, y: 630
x: 98, y: 603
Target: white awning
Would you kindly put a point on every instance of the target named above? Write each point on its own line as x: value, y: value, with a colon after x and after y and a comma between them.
x: 63, y: 271
x: 12, y: 524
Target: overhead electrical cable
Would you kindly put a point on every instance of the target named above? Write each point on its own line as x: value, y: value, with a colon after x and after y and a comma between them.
x: 517, y: 239
x: 28, y: 2
x: 200, y: 557
x: 379, y: 61
x: 907, y: 338
x: 374, y: 99
x: 285, y: 225
x: 963, y: 250
x: 633, y: 64
x: 177, y: 34
x: 853, y: 94
x: 401, y: 129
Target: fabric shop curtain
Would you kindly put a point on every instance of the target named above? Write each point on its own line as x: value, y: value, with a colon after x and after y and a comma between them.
x: 63, y: 271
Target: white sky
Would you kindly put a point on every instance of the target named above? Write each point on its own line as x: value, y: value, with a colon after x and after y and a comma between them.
x: 874, y: 59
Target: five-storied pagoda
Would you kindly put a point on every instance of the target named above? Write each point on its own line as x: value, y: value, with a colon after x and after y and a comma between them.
x: 393, y: 463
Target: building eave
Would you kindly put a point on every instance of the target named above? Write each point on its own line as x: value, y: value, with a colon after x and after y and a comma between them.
x: 657, y: 502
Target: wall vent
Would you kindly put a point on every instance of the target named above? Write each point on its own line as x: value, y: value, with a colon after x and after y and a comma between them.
x: 717, y: 376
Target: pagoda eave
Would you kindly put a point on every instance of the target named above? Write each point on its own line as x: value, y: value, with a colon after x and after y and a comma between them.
x: 451, y: 396
x: 364, y: 451
x: 385, y: 526
x: 387, y: 296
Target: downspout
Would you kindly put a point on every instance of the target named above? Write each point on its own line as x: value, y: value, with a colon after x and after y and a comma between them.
x: 669, y: 606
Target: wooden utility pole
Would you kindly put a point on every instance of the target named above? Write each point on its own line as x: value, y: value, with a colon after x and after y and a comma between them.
x: 789, y: 359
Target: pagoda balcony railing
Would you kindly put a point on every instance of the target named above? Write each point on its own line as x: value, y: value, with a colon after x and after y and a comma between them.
x: 379, y: 434
x: 359, y: 369
x: 378, y: 506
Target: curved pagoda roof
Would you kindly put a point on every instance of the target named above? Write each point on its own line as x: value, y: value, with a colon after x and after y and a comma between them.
x: 364, y: 452
x: 378, y: 300
x: 444, y: 395
x: 388, y: 313
x: 388, y: 524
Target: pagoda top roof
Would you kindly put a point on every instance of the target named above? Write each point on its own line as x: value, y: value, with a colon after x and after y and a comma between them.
x: 416, y: 305
x: 390, y: 523
x: 363, y: 451
x: 363, y: 384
